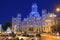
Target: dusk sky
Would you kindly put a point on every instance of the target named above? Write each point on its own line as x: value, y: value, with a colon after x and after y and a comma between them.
x: 9, y: 8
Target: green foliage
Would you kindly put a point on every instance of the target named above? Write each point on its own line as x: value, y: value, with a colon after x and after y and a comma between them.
x: 8, y: 24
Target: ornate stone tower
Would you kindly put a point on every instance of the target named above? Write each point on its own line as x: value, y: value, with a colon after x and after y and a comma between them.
x: 34, y: 12
x: 16, y: 23
x: 34, y: 16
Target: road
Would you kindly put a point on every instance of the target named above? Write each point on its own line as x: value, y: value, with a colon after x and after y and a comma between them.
x: 43, y: 37
x: 50, y: 37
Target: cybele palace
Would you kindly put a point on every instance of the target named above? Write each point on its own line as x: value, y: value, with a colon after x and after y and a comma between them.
x: 34, y: 22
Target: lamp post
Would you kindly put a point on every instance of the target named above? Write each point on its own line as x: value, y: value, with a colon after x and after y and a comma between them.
x: 58, y: 11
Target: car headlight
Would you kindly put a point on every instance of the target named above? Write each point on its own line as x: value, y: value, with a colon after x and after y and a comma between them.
x: 9, y: 37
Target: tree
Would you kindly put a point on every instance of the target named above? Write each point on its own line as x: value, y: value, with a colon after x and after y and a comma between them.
x: 55, y: 28
x: 8, y: 24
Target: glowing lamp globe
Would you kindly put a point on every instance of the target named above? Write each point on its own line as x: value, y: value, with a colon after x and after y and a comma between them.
x: 58, y: 9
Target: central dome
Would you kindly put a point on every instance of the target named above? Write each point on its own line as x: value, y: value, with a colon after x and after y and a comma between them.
x: 34, y: 12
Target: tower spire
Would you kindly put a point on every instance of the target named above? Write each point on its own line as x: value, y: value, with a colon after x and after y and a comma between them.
x: 34, y: 7
x: 19, y: 14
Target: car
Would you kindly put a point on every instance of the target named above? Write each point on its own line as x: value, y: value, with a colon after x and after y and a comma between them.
x: 22, y: 37
x: 8, y: 38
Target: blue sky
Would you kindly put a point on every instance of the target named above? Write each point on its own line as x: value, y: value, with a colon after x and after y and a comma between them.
x: 9, y: 8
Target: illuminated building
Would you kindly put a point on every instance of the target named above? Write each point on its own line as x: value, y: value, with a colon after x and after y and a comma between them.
x: 34, y: 22
x: 0, y: 28
x: 30, y: 24
x: 48, y: 19
x: 16, y: 23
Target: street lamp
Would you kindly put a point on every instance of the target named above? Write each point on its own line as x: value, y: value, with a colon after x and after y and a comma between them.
x: 58, y: 9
